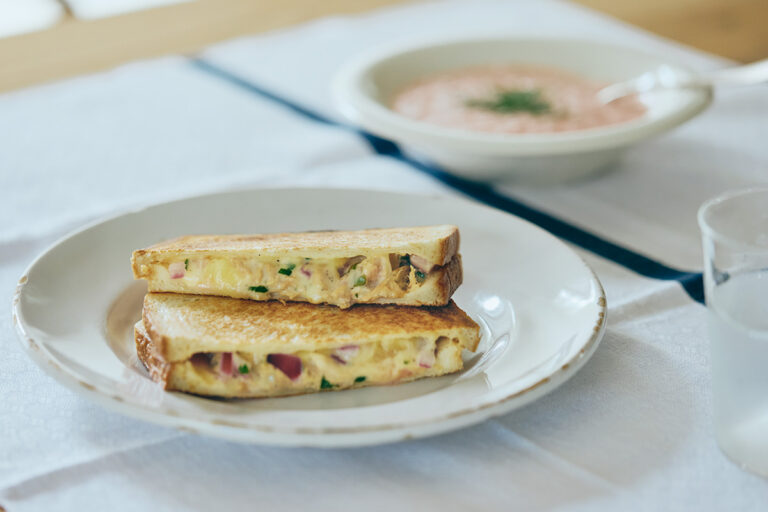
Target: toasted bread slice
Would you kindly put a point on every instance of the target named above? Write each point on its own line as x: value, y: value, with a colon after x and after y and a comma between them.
x: 237, y: 348
x: 406, y: 266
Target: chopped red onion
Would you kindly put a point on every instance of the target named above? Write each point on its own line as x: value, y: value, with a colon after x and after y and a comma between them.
x: 421, y: 263
x: 427, y: 358
x: 176, y: 270
x: 227, y: 368
x: 345, y: 353
x: 288, y: 364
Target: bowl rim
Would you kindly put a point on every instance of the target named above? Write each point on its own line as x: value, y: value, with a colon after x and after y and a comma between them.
x: 359, y: 107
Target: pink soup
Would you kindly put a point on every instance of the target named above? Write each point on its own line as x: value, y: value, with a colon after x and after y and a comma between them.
x: 513, y: 100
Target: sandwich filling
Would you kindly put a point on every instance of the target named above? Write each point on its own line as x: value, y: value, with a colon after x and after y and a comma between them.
x: 347, y: 366
x: 340, y: 281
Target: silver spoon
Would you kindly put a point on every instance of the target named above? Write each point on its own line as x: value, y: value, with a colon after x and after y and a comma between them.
x: 666, y: 77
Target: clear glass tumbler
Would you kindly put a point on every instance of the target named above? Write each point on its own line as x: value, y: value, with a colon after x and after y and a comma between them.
x: 734, y: 230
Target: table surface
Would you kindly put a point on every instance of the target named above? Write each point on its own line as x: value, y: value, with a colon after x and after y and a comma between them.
x: 631, y: 431
x: 731, y: 28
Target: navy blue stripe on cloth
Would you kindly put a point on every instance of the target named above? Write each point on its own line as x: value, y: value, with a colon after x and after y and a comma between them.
x: 691, y: 282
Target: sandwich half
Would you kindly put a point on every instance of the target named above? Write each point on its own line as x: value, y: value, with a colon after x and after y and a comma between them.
x: 231, y: 348
x: 408, y: 266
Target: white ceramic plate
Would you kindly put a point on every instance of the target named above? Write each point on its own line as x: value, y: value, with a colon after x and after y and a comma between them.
x: 366, y: 85
x: 541, y: 308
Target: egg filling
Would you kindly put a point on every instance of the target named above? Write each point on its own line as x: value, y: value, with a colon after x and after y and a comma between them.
x: 347, y: 366
x: 340, y: 281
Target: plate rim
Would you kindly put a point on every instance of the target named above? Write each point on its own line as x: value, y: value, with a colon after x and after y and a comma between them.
x: 263, y: 433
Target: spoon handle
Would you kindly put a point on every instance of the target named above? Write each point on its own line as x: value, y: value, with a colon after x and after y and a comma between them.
x: 750, y: 74
x: 663, y: 77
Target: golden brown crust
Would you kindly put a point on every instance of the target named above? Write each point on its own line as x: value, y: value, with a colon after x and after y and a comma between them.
x: 474, y: 339
x: 445, y: 235
x: 451, y: 279
x: 185, y: 324
x: 158, y: 369
x: 159, y: 342
x: 449, y: 247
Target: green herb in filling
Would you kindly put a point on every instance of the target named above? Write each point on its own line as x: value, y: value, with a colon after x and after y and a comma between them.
x: 243, y: 368
x: 353, y: 267
x: 324, y: 384
x: 287, y: 270
x: 420, y: 276
x: 513, y: 102
x: 360, y: 379
x: 405, y: 260
x: 360, y: 281
x: 258, y: 289
x: 186, y: 264
x: 406, y: 362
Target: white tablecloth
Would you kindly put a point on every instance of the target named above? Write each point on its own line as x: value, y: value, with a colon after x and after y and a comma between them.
x: 631, y: 431
x: 91, y: 9
x: 21, y: 16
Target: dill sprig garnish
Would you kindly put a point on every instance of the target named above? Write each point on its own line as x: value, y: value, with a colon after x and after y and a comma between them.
x: 511, y: 102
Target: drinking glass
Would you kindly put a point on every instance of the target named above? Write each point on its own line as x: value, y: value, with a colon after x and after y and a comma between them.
x: 734, y: 230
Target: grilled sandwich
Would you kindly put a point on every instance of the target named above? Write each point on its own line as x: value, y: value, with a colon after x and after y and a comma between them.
x: 239, y: 348
x: 407, y: 266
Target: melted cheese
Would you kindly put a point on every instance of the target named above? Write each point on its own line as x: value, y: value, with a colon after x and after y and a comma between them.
x: 336, y: 281
x: 372, y: 363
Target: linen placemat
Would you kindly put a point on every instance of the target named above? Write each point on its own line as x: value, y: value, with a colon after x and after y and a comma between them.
x: 631, y: 431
